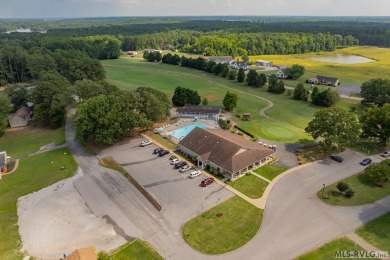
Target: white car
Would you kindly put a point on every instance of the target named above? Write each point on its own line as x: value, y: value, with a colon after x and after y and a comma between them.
x: 185, y: 168
x: 194, y: 174
x: 145, y: 143
x: 175, y: 160
x: 385, y: 154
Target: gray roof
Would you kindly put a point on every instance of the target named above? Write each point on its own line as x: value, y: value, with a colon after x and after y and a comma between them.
x: 228, y: 151
x: 221, y: 59
x: 22, y: 112
x: 3, y: 159
x: 327, y: 79
x: 199, y: 109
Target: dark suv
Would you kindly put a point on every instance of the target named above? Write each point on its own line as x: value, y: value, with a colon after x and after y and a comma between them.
x: 337, y: 158
x: 157, y: 150
x: 163, y: 152
x: 180, y: 164
x: 207, y: 182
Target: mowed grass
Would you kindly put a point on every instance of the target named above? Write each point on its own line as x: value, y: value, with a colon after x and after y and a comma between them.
x: 377, y: 232
x: 128, y: 74
x: 250, y: 185
x: 136, y: 250
x: 223, y: 228
x: 270, y: 172
x: 365, y: 192
x: 328, y: 250
x: 27, y: 140
x: 167, y: 144
x: 33, y: 173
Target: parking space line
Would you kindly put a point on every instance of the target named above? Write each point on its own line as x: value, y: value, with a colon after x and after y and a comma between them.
x: 207, y: 189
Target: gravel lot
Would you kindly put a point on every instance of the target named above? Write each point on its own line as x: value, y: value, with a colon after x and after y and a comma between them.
x: 55, y: 220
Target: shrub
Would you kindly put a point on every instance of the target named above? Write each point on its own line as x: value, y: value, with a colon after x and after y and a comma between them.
x: 289, y: 92
x: 349, y: 193
x: 237, y: 115
x: 232, y: 131
x: 254, y: 139
x: 342, y: 187
x: 240, y: 133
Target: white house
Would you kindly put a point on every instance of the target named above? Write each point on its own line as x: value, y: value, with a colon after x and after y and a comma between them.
x: 264, y: 63
x: 239, y: 65
x: 282, y: 72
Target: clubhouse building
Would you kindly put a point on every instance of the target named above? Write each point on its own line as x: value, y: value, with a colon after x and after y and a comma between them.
x: 232, y: 155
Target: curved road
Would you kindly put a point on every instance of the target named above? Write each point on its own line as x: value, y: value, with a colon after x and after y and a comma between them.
x: 295, y: 220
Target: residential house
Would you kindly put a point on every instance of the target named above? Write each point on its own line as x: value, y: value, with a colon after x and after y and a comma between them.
x: 282, y: 72
x: 3, y: 162
x: 232, y: 155
x: 193, y: 111
x: 323, y: 80
x: 87, y: 253
x: 221, y: 59
x: 264, y: 63
x: 21, y: 117
x: 132, y: 53
x: 239, y: 65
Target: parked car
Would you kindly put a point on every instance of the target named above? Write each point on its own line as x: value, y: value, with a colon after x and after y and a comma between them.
x: 163, y: 153
x: 172, y: 157
x: 366, y: 161
x: 194, y: 174
x: 180, y: 164
x: 145, y: 143
x: 385, y: 154
x: 157, y: 150
x: 337, y: 158
x: 184, y: 168
x: 207, y: 182
x: 174, y: 161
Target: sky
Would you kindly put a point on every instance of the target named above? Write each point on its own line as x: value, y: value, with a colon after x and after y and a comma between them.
x: 99, y: 8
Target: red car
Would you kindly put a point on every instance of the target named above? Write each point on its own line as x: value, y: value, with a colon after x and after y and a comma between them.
x: 207, y: 182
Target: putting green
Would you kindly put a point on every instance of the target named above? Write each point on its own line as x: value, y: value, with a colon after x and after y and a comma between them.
x: 278, y: 132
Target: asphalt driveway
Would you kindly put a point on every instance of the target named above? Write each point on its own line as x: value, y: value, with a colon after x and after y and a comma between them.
x: 181, y: 198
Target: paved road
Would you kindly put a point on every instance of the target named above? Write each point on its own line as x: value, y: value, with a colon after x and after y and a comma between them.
x: 295, y: 219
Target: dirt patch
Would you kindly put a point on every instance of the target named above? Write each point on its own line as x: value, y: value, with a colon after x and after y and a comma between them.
x: 55, y: 221
x: 211, y: 98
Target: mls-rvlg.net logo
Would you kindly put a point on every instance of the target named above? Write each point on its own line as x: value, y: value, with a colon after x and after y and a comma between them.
x: 361, y: 254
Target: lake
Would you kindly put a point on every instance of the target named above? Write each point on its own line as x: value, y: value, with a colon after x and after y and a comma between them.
x: 342, y: 59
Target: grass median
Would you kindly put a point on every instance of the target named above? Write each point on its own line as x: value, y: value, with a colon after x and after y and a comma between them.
x: 33, y: 174
x: 223, y: 228
x: 250, y: 185
x: 365, y: 192
x: 270, y: 172
x: 377, y: 232
x: 135, y: 250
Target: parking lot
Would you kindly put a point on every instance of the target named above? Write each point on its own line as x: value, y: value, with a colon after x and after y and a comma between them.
x: 181, y: 197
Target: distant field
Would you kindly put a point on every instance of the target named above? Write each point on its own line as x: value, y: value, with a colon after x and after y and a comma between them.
x: 355, y: 73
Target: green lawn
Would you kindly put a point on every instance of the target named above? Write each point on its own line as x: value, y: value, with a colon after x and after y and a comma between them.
x: 130, y: 74
x: 328, y: 250
x: 136, y: 250
x: 223, y: 228
x: 250, y: 185
x: 164, y: 142
x: 28, y: 140
x: 270, y: 171
x: 365, y: 192
x: 377, y: 232
x: 33, y: 173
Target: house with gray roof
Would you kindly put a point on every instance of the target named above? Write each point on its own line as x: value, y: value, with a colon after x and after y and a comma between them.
x: 221, y: 59
x: 264, y: 63
x: 232, y: 155
x: 21, y: 117
x: 192, y: 111
x: 239, y: 65
x: 324, y: 80
x: 282, y: 72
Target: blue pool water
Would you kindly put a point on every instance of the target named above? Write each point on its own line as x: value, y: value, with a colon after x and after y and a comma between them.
x: 182, y: 132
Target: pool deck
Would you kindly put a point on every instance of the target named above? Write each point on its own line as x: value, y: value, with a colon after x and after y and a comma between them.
x: 183, y: 122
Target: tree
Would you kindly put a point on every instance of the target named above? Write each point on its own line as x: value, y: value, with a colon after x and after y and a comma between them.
x: 342, y: 187
x: 241, y: 75
x: 50, y: 97
x: 296, y: 71
x: 300, y: 93
x: 261, y: 80
x: 230, y: 101
x: 337, y: 127
x: 86, y: 89
x: 233, y: 75
x: 375, y: 123
x: 326, y: 98
x: 376, y: 91
x: 154, y: 104
x: 272, y: 81
x: 18, y: 95
x: 5, y: 108
x: 205, y: 102
x: 276, y: 87
x: 225, y: 70
x: 251, y: 77
x: 378, y: 173
x: 314, y: 94
x: 183, y: 96
x: 245, y: 57
x: 106, y: 119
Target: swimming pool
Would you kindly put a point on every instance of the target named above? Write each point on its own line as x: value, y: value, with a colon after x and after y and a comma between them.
x: 182, y: 132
